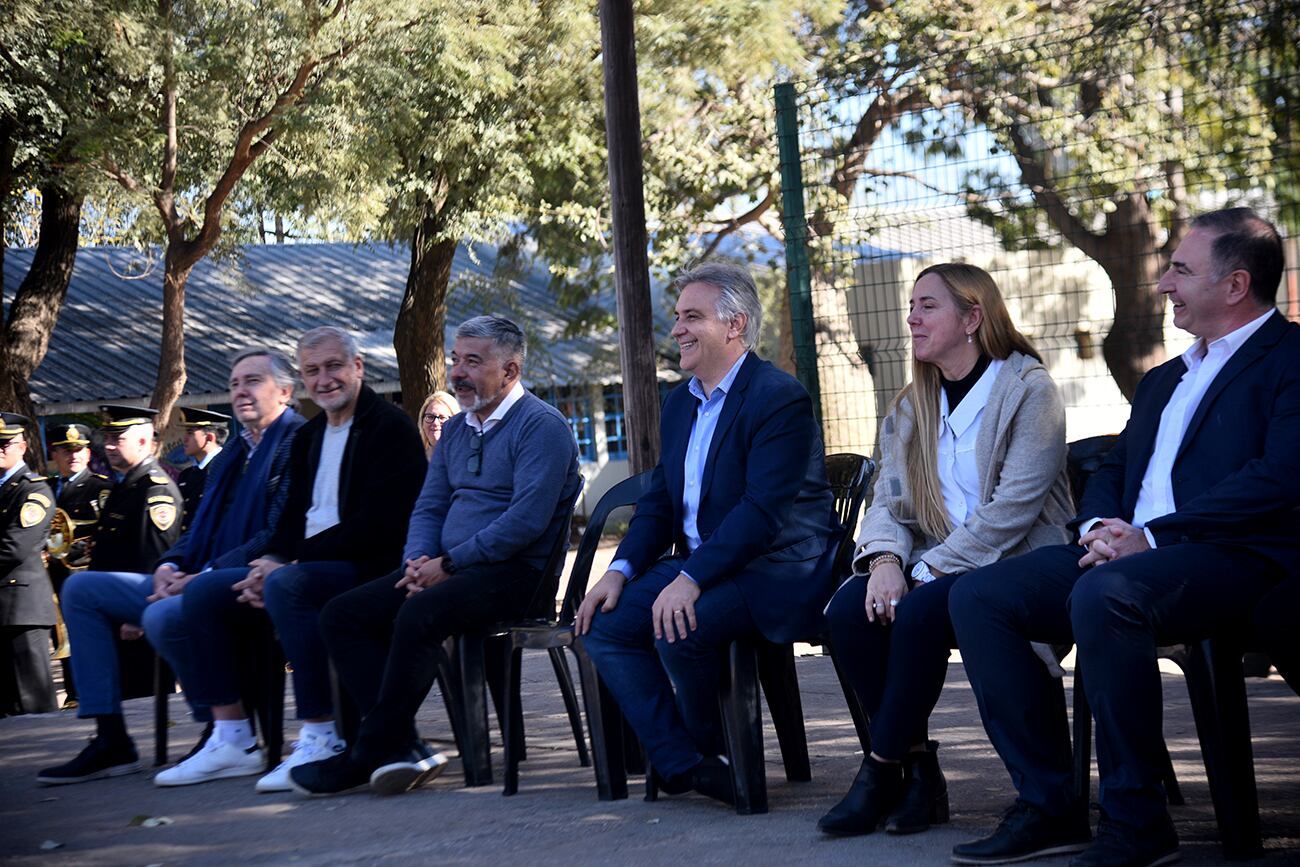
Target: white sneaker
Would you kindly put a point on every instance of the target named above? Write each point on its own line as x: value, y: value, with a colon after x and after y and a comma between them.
x: 310, y: 748
x: 216, y: 761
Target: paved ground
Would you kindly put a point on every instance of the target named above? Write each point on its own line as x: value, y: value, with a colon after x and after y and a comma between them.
x: 556, y: 818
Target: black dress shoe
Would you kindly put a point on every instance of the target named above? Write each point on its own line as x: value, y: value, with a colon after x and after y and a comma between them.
x: 333, y: 776
x: 1123, y: 846
x: 875, y: 792
x: 101, y: 758
x: 712, y: 777
x: 925, y: 794
x: 1026, y: 832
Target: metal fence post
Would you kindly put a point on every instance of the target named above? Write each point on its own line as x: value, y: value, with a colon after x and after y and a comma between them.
x: 797, y: 277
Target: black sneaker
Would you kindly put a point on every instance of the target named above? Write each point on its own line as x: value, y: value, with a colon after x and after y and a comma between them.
x: 408, y: 769
x: 1024, y: 833
x: 101, y: 758
x: 1123, y: 846
x: 332, y: 776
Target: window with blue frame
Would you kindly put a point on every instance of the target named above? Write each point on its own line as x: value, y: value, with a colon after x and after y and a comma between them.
x: 576, y: 405
x: 615, y: 428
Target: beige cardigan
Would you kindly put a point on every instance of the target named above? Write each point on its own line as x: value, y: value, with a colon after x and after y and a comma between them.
x: 1024, y: 491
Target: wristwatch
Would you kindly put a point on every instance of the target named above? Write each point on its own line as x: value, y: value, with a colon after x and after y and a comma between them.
x: 448, y: 565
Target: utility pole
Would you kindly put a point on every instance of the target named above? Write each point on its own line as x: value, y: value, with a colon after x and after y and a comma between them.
x: 627, y: 205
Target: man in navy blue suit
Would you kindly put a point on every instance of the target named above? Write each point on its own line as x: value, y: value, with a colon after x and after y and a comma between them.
x: 724, y: 543
x: 1188, y: 522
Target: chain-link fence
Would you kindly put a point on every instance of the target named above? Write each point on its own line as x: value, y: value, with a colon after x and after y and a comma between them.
x: 1066, y: 163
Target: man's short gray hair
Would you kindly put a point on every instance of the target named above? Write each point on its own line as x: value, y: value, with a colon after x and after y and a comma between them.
x: 329, y: 333
x: 507, y: 338
x: 282, y: 370
x: 736, y: 294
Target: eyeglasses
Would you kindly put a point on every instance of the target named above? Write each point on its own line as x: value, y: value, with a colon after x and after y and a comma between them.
x: 431, y: 418
x: 475, y: 461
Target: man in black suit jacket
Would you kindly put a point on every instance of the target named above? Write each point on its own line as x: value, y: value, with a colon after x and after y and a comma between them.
x: 1190, y: 519
x: 740, y: 495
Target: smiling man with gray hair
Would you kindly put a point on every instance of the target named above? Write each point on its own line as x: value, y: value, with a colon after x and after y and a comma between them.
x: 499, y: 488
x: 741, y: 501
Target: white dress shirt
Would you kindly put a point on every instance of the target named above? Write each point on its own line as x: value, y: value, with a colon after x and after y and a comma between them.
x: 1204, y: 363
x: 511, y: 398
x: 959, y: 472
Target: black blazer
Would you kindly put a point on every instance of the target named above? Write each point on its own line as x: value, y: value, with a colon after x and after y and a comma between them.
x: 26, y: 508
x: 141, y: 519
x: 1237, y: 474
x: 382, y: 470
x: 765, y: 516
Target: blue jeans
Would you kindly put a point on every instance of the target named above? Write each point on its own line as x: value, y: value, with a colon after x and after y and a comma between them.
x: 294, y: 595
x: 95, y: 605
x: 641, y: 672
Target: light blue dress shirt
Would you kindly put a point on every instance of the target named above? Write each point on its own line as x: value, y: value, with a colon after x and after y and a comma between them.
x: 21, y: 465
x: 697, y: 452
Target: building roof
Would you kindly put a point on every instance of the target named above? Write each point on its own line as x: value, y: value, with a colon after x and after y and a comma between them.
x: 105, y: 346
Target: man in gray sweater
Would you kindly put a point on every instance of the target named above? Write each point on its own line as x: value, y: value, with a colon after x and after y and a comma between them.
x: 499, y: 483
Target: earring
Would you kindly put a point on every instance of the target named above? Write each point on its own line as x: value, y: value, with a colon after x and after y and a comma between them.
x: 969, y: 338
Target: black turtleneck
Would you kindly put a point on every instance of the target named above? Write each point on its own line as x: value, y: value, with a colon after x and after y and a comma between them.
x: 959, y: 389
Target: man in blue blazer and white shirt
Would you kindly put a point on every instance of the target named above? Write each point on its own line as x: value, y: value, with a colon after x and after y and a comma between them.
x: 726, y: 542
x: 1188, y: 522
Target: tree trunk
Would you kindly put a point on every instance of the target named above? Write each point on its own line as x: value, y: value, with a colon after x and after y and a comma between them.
x: 422, y: 319
x: 36, y: 304
x: 179, y: 260
x: 1135, y: 343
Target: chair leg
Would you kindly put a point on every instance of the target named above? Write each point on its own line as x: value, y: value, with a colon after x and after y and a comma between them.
x: 1082, y: 739
x: 1217, y: 688
x: 776, y: 672
x: 449, y: 686
x: 163, y: 686
x: 605, y: 724
x: 743, y: 725
x: 273, y: 716
x: 510, y: 714
x: 495, y: 650
x: 860, y: 722
x: 476, y: 744
x: 565, y: 678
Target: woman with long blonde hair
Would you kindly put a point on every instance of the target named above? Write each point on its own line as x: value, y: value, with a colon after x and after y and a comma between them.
x: 972, y: 471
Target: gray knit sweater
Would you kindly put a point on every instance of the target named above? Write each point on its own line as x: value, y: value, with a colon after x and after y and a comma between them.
x: 510, y: 508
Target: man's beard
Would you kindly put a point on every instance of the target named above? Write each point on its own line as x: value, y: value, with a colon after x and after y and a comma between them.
x: 479, y: 400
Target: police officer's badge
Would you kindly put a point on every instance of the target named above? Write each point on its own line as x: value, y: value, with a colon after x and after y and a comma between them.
x: 103, y: 498
x: 31, y: 514
x: 163, y: 515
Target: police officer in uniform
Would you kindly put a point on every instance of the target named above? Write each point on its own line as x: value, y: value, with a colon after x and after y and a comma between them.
x: 26, y: 599
x: 80, y: 492
x: 205, y: 433
x: 140, y: 521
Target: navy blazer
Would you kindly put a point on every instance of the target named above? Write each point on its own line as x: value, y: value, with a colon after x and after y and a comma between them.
x: 765, y: 516
x: 1236, y: 477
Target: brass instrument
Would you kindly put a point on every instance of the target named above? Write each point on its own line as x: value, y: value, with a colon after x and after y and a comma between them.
x: 63, y: 543
x: 64, y: 546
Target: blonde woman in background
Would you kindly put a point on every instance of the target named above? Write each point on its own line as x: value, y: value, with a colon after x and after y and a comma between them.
x: 972, y: 471
x: 436, y: 410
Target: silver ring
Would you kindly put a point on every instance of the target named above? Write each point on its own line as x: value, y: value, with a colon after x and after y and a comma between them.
x: 893, y: 601
x: 880, y: 606
x: 679, y: 610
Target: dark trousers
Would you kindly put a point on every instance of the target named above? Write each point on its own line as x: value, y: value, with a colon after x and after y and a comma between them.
x: 1117, y: 614
x: 26, y: 685
x: 295, y: 595
x: 641, y: 671
x: 1277, y: 625
x: 897, y: 671
x: 385, y: 646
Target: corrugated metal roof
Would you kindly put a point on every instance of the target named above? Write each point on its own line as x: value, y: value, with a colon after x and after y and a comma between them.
x: 106, y: 343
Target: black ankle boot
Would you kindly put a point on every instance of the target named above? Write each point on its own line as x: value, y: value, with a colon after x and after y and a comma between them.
x: 925, y: 794
x: 876, y: 790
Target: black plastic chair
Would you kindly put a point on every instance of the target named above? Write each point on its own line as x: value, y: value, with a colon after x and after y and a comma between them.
x: 556, y: 634
x: 482, y: 662
x: 754, y: 662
